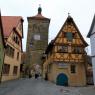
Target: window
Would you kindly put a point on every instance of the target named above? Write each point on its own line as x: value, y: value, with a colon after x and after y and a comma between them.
x: 6, y: 68
x: 16, y: 39
x: 63, y: 49
x: 69, y: 36
x: 9, y: 51
x: 78, y: 50
x: 73, y: 69
x: 15, y: 70
x: 17, y: 55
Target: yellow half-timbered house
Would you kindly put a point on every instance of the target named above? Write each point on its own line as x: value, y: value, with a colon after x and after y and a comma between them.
x: 65, y: 60
x: 13, y: 34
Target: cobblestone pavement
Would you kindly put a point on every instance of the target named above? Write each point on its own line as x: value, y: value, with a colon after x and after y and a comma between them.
x: 40, y: 87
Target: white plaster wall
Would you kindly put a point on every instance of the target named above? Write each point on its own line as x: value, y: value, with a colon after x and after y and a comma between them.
x: 93, y: 65
x: 92, y: 41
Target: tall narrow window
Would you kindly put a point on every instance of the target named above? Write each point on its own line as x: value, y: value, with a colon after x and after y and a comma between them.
x: 73, y: 69
x: 69, y: 36
x: 63, y: 49
x: 17, y: 55
x: 6, y: 68
x: 78, y: 50
x: 9, y: 51
x: 15, y: 70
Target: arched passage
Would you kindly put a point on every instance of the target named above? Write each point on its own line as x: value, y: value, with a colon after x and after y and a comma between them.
x: 62, y: 79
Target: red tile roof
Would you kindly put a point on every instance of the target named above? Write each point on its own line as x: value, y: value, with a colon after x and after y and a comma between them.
x: 10, y: 22
x: 39, y: 16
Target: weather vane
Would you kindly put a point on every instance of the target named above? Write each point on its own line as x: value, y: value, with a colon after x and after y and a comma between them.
x: 68, y: 14
x: 39, y: 5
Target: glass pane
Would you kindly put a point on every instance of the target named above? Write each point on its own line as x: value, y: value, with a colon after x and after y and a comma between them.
x: 69, y: 36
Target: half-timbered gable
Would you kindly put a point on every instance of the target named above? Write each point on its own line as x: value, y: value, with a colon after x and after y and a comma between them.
x: 69, y: 45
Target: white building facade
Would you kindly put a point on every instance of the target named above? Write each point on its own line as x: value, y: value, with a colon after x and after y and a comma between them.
x: 91, y: 35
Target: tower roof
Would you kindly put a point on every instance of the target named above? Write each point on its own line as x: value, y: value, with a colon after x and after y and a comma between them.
x: 39, y: 16
x: 39, y: 10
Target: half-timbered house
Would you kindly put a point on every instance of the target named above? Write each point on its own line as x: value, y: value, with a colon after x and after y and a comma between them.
x: 13, y: 34
x: 65, y: 61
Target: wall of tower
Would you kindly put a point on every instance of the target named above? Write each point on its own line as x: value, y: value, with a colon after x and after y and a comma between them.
x: 37, y: 40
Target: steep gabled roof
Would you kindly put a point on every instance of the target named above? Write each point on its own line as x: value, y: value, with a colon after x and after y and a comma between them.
x: 1, y: 29
x: 69, y: 18
x: 51, y: 44
x: 9, y: 23
x: 92, y: 26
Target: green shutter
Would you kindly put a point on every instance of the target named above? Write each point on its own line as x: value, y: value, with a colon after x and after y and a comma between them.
x: 69, y: 36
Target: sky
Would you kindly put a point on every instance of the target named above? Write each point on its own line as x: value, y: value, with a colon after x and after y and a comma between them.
x: 82, y: 11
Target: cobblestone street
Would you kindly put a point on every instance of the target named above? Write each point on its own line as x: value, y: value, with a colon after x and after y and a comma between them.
x: 40, y: 87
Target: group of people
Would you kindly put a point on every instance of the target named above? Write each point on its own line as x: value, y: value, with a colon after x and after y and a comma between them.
x: 36, y: 75
x: 35, y: 72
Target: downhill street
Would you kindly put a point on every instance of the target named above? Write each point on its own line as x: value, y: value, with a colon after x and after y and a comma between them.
x: 33, y: 86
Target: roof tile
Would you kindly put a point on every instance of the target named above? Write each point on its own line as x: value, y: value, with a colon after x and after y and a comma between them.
x: 9, y: 22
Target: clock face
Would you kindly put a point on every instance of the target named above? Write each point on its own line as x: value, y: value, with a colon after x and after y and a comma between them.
x: 37, y: 37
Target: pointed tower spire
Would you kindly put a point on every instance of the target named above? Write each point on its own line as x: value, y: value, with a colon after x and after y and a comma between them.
x: 39, y: 9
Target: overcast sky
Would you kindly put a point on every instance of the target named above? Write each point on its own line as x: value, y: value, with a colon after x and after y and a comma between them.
x: 82, y: 12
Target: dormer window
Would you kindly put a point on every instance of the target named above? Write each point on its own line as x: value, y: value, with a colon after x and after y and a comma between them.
x: 16, y: 39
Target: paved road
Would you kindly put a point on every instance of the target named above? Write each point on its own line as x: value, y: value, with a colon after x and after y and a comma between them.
x: 40, y: 87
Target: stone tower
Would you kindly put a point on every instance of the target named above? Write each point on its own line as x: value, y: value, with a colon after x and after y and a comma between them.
x: 37, y: 38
